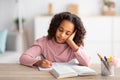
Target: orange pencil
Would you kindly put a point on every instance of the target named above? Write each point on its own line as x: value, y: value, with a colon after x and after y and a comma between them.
x: 102, y: 59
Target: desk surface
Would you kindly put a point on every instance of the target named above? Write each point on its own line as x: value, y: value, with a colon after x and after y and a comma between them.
x: 20, y: 72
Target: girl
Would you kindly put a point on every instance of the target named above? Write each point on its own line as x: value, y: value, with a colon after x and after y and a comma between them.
x: 63, y: 43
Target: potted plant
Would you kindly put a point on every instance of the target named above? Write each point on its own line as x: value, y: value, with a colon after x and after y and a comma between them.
x: 108, y: 7
x: 107, y: 3
x: 16, y: 21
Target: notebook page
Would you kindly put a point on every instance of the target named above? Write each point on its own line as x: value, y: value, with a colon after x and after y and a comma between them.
x: 55, y: 64
x: 83, y: 70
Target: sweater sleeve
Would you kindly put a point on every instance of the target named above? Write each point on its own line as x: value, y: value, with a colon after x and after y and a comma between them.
x: 28, y: 58
x: 82, y: 57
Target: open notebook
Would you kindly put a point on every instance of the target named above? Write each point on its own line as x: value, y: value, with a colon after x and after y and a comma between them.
x: 63, y: 70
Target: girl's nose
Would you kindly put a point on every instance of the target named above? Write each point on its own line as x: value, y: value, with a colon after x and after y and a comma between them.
x: 62, y: 34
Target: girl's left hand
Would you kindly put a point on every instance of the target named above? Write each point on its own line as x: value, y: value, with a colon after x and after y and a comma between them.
x: 71, y: 43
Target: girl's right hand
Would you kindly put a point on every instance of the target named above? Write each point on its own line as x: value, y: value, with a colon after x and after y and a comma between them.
x: 43, y: 63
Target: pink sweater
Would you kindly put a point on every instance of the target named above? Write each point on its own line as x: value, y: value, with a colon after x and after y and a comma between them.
x: 54, y: 52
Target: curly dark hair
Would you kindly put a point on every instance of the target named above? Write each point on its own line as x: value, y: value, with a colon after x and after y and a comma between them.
x: 58, y: 18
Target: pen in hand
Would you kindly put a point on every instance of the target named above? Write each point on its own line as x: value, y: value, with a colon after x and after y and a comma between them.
x: 43, y: 56
x: 45, y: 62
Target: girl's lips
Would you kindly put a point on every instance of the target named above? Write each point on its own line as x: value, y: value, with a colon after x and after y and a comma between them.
x: 60, y: 39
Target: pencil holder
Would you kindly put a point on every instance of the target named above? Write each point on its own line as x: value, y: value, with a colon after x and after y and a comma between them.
x: 107, y: 70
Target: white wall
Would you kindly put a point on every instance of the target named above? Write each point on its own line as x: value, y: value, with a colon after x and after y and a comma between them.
x: 32, y: 8
x: 7, y: 13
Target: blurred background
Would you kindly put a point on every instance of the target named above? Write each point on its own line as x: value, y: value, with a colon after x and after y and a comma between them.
x: 30, y: 20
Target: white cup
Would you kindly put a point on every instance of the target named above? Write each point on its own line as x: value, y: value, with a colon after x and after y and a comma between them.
x: 105, y: 71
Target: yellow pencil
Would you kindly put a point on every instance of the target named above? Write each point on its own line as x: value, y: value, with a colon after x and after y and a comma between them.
x: 110, y: 58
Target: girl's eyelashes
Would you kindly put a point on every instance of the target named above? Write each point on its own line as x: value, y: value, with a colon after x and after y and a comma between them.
x: 68, y: 33
x: 60, y: 29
